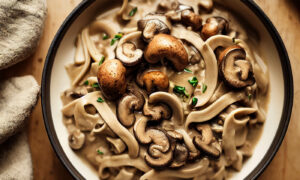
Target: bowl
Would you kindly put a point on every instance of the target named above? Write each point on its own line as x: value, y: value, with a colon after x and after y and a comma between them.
x: 61, y: 51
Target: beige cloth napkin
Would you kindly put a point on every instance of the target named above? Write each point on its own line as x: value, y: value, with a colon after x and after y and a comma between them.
x: 15, y: 160
x: 18, y: 96
x: 21, y: 25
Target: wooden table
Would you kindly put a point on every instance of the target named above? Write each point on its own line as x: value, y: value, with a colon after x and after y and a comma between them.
x: 285, y: 14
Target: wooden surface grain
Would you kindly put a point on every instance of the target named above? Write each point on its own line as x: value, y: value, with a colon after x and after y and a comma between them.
x: 285, y: 14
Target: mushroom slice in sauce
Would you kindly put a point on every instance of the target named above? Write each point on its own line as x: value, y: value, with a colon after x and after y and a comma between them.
x: 167, y: 46
x: 153, y: 24
x: 157, y: 112
x: 159, y: 154
x: 234, y: 68
x: 76, y: 139
x: 127, y: 51
x: 181, y: 154
x: 129, y: 103
x: 208, y: 149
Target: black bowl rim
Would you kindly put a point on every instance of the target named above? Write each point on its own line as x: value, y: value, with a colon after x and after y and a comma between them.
x: 287, y: 75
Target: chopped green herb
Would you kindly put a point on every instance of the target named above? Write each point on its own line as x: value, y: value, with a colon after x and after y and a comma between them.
x: 112, y: 42
x: 100, y: 100
x: 204, y: 87
x: 193, y: 82
x: 194, y: 101
x: 86, y: 82
x: 117, y: 37
x: 133, y: 11
x: 95, y: 85
x: 105, y: 36
x: 180, y: 90
x: 187, y: 70
x: 100, y: 152
x: 102, y: 60
x: 249, y: 96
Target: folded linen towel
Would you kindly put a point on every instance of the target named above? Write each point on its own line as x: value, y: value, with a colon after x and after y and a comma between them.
x: 15, y: 158
x: 21, y: 25
x: 18, y: 96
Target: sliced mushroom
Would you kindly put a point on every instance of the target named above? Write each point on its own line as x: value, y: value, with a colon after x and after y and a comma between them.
x: 102, y: 128
x: 159, y: 154
x: 172, y: 101
x: 151, y: 25
x: 157, y: 111
x: 167, y: 5
x: 206, y: 133
x: 180, y: 156
x: 117, y: 145
x: 208, y: 149
x: 155, y: 81
x: 214, y: 25
x: 76, y: 139
x: 175, y: 15
x: 133, y: 101
x: 167, y: 46
x: 127, y: 51
x: 192, y: 19
x: 235, y: 69
x: 111, y: 78
x: 175, y: 135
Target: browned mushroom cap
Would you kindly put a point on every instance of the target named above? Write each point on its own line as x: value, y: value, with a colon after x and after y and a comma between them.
x: 159, y: 154
x: 157, y: 111
x: 129, y: 103
x: 155, y: 81
x: 192, y: 19
x: 111, y: 78
x: 214, y: 25
x: 180, y: 155
x: 235, y: 69
x: 166, y: 46
x: 76, y: 139
x: 175, y: 135
x: 151, y: 25
x: 208, y: 149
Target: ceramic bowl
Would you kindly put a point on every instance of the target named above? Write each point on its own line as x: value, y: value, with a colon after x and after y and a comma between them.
x: 61, y: 52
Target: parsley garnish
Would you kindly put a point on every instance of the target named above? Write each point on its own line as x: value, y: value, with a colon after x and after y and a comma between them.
x: 100, y: 152
x: 180, y: 90
x: 102, y: 60
x: 133, y: 11
x: 249, y: 96
x: 193, y: 82
x: 117, y: 37
x: 100, y: 100
x: 204, y: 87
x: 105, y: 36
x: 86, y: 82
x: 95, y: 85
x: 194, y: 101
x: 187, y: 70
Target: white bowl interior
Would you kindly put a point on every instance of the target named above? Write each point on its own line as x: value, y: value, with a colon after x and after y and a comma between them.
x: 59, y: 82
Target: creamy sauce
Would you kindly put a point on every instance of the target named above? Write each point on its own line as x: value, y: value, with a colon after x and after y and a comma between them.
x: 100, y: 154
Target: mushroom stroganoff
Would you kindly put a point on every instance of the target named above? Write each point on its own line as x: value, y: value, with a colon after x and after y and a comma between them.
x: 166, y: 89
